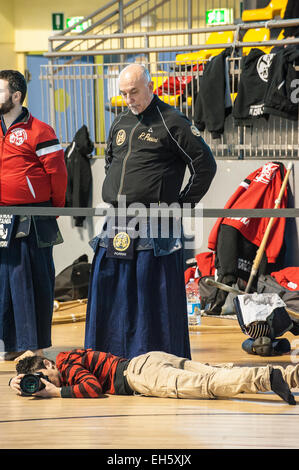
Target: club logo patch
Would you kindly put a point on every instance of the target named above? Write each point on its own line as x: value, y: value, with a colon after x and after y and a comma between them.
x: 18, y: 136
x: 121, y: 241
x: 263, y: 66
x: 195, y: 131
x: 120, y: 137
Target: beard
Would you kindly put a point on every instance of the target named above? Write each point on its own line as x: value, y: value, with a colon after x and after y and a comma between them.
x: 6, y: 106
x: 134, y: 110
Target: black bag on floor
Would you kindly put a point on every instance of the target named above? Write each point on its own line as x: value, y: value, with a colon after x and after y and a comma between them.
x: 212, y: 296
x: 72, y: 283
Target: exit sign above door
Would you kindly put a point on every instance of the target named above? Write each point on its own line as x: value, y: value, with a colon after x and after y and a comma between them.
x: 219, y: 16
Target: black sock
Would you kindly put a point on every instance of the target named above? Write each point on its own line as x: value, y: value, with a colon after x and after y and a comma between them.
x: 280, y: 387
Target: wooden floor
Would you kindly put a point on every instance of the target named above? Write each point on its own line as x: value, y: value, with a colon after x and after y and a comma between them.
x: 246, y: 422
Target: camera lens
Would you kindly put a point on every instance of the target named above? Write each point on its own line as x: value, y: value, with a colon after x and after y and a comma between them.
x: 30, y: 384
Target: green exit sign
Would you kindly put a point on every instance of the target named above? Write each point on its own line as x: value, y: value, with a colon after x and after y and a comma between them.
x: 80, y: 27
x: 57, y: 21
x: 219, y: 16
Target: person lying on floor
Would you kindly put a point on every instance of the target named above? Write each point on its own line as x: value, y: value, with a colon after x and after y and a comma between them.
x: 85, y: 373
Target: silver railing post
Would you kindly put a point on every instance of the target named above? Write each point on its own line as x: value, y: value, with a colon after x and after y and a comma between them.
x: 189, y: 13
x: 121, y: 26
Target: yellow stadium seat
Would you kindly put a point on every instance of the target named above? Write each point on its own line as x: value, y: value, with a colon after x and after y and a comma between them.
x: 117, y: 101
x: 158, y: 80
x: 280, y: 37
x: 257, y: 35
x: 173, y: 100
x: 273, y: 9
x: 189, y: 101
x: 222, y: 37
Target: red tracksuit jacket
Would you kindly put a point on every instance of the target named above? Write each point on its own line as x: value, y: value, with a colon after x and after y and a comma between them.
x: 32, y: 167
x: 258, y: 191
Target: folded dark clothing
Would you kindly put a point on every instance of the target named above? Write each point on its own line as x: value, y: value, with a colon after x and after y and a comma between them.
x: 264, y: 346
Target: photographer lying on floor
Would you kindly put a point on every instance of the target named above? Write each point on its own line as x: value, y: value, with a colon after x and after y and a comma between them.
x: 84, y: 373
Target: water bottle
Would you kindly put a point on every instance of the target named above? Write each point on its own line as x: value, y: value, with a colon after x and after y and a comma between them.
x: 193, y: 302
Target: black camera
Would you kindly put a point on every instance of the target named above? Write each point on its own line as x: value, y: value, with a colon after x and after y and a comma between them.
x: 31, y: 383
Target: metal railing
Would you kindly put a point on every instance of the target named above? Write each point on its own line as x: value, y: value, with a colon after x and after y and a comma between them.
x: 150, y: 44
x: 88, y: 94
x: 76, y: 93
x: 113, y: 18
x: 117, y: 19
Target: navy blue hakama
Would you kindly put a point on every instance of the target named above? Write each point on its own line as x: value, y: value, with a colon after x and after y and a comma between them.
x: 136, y: 306
x: 27, y: 277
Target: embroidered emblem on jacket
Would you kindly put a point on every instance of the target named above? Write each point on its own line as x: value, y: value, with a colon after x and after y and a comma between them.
x: 120, y: 137
x: 18, y: 136
x: 121, y: 241
x: 263, y: 66
x: 147, y: 137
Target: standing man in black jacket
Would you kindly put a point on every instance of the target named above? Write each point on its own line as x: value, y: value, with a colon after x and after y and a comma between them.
x: 137, y: 299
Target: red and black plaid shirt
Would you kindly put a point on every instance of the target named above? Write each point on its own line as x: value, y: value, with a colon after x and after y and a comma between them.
x: 86, y: 373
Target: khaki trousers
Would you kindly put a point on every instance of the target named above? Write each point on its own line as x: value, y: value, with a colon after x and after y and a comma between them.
x: 290, y: 374
x: 163, y: 375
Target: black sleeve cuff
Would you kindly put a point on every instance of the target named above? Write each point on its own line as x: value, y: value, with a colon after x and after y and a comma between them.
x: 66, y: 392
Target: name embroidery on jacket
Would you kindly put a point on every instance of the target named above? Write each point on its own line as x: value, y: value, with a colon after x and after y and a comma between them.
x: 147, y: 137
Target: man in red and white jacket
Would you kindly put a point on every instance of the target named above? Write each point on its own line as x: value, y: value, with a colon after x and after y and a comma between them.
x: 32, y: 167
x: 32, y: 172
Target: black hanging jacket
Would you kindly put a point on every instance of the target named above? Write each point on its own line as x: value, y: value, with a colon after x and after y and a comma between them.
x: 77, y: 159
x: 281, y: 98
x: 213, y: 102
x: 249, y: 103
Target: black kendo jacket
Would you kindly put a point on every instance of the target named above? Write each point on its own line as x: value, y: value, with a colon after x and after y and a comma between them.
x: 213, y: 102
x: 249, y: 103
x: 147, y: 155
x: 77, y: 158
x: 281, y: 98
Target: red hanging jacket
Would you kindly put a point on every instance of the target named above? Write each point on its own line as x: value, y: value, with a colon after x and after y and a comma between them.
x: 258, y: 191
x: 288, y: 277
x: 205, y: 265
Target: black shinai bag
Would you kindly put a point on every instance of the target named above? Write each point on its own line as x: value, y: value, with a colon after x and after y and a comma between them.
x: 72, y: 283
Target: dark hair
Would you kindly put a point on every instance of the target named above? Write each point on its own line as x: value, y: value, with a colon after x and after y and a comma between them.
x: 30, y: 364
x: 16, y: 82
